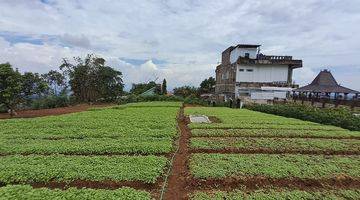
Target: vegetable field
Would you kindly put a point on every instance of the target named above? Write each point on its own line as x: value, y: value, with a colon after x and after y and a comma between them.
x: 245, y: 154
x: 125, y: 148
x: 151, y: 151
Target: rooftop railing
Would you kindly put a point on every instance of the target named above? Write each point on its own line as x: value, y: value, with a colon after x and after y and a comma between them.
x: 271, y: 57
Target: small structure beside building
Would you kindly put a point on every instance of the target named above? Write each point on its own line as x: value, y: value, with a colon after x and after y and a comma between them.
x: 247, y: 74
x: 325, y: 85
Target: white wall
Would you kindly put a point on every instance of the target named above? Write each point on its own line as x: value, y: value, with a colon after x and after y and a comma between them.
x: 235, y: 53
x: 262, y: 73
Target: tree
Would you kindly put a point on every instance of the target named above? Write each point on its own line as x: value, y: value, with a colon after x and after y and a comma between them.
x: 33, y: 84
x: 140, y: 88
x: 186, y: 91
x: 10, y: 87
x: 90, y: 80
x: 164, y: 87
x: 207, y: 85
x: 56, y: 81
x: 110, y: 83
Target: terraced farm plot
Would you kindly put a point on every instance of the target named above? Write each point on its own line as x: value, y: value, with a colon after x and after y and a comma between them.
x: 273, y: 166
x: 21, y: 192
x: 250, y: 155
x: 274, y: 194
x: 247, y: 119
x: 112, y: 122
x: 87, y: 146
x: 127, y: 145
x: 294, y: 133
x: 35, y: 168
x: 247, y: 144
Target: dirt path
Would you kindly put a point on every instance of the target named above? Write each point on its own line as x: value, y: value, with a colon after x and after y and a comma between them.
x: 53, y: 111
x: 179, y: 177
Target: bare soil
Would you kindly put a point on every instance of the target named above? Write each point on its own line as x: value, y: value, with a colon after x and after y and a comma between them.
x: 179, y: 177
x: 53, y: 111
x: 272, y: 151
x: 214, y: 119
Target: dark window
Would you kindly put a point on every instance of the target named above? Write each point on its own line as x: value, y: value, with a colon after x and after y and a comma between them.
x: 247, y: 55
x: 249, y: 70
x: 241, y: 70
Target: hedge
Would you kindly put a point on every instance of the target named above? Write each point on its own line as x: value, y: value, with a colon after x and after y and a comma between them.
x: 332, y: 116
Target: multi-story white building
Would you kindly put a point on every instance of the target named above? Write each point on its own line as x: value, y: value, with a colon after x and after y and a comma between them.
x: 245, y: 73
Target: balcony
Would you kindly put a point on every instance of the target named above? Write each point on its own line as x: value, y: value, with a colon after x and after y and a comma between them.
x: 270, y: 60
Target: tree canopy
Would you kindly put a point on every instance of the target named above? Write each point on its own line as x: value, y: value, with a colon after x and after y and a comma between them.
x: 164, y: 87
x: 207, y: 85
x: 91, y: 80
x: 10, y: 87
x: 186, y: 91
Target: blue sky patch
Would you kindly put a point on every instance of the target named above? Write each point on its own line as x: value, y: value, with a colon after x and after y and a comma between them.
x: 142, y: 61
x: 17, y: 38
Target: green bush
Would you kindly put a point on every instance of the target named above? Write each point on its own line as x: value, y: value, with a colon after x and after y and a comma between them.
x: 333, y: 116
x: 138, y: 98
x: 195, y: 100
x: 3, y: 109
x: 51, y: 102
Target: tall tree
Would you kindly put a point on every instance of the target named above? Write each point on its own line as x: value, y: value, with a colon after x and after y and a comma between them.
x: 207, y: 85
x: 56, y: 81
x: 164, y: 87
x: 10, y: 87
x: 33, y: 84
x: 91, y: 80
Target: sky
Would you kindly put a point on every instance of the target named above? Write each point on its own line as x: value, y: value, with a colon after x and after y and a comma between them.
x: 181, y: 40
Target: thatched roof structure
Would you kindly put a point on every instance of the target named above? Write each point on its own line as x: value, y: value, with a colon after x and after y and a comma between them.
x: 325, y: 83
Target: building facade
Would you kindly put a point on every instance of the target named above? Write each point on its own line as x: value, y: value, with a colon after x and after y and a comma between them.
x: 245, y: 73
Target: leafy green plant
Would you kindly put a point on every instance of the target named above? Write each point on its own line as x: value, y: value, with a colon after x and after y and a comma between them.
x: 247, y: 119
x: 273, y: 166
x: 278, y: 144
x: 333, y: 116
x: 276, y: 194
x: 87, y: 146
x: 275, y: 133
x: 21, y: 192
x: 36, y: 168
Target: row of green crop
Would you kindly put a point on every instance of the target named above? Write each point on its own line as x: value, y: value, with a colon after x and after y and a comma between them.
x: 232, y: 116
x: 26, y: 192
x: 276, y: 144
x: 127, y: 122
x: 273, y: 166
x: 247, y: 119
x: 238, y: 124
x: 87, y: 146
x: 36, y: 168
x: 278, y: 195
x: 275, y: 133
x: 333, y: 116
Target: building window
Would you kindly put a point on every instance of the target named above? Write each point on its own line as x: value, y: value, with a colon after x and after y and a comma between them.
x: 247, y: 55
x: 241, y: 70
x: 249, y: 70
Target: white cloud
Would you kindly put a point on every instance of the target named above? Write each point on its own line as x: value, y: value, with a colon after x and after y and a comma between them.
x: 187, y: 35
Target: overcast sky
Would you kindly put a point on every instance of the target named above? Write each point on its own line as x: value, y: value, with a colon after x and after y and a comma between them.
x: 181, y: 40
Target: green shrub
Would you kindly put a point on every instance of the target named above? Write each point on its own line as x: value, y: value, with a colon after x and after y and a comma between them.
x: 138, y: 98
x: 3, y: 109
x: 51, y: 101
x: 195, y: 100
x: 333, y: 116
